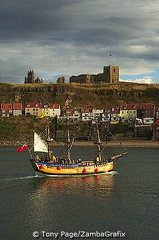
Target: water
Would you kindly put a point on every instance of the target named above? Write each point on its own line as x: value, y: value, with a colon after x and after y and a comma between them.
x: 127, y: 201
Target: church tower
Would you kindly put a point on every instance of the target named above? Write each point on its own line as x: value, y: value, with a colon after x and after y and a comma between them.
x: 30, y: 78
x: 111, y: 74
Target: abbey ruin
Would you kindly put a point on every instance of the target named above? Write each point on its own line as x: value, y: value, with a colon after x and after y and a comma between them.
x: 31, y: 78
x: 110, y: 75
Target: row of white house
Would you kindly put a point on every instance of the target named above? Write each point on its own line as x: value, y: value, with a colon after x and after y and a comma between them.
x: 141, y: 113
x: 30, y: 108
x: 42, y: 110
x: 144, y: 113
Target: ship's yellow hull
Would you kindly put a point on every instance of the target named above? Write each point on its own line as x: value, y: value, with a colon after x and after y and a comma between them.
x: 67, y: 170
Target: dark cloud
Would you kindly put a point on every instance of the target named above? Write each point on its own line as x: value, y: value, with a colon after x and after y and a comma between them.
x: 22, y: 20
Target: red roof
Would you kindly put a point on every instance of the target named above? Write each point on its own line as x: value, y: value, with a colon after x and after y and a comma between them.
x: 156, y: 123
x: 54, y: 105
x: 133, y: 106
x: 115, y: 110
x: 129, y: 106
x: 6, y: 106
x: 128, y: 83
x: 86, y: 110
x: 98, y: 108
x: 145, y: 106
x: 32, y: 105
x: 17, y: 106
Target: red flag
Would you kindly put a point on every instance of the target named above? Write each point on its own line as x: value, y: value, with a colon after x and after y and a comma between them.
x: 24, y: 147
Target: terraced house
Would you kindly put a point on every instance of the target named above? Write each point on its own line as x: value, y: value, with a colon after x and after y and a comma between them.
x: 128, y: 112
x: 10, y: 109
x: 42, y: 110
x: 33, y: 108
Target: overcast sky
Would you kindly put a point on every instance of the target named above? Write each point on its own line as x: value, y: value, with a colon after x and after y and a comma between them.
x: 71, y: 37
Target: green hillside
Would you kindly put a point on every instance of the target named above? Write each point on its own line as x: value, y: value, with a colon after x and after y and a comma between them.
x: 20, y: 128
x: 81, y: 94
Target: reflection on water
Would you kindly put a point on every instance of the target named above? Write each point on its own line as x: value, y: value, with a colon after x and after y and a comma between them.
x: 97, y: 185
x: 64, y: 203
x: 127, y: 201
x: 59, y: 199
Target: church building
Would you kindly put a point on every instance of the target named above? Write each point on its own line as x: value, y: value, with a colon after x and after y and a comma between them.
x: 110, y: 75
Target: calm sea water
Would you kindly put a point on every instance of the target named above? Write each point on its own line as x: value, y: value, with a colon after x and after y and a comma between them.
x: 127, y: 201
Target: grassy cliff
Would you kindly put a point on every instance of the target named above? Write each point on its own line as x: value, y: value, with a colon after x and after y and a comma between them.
x: 81, y: 94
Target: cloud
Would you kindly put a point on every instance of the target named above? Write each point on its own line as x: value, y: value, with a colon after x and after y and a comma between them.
x: 145, y: 80
x: 73, y: 37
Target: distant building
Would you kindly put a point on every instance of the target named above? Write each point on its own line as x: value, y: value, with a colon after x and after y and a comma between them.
x: 110, y: 75
x: 45, y: 110
x: 115, y: 115
x: 9, y: 109
x: 42, y: 110
x: 72, y: 115
x: 106, y: 115
x: 145, y: 120
x: 54, y: 109
x: 146, y: 110
x: 6, y: 109
x: 17, y: 109
x: 86, y: 114
x: 33, y: 108
x: 128, y: 112
x: 31, y: 78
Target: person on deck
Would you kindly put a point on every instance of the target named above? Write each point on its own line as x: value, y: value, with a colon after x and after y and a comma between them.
x: 97, y: 160
x: 37, y: 158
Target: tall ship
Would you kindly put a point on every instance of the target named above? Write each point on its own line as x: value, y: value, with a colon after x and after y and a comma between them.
x: 47, y: 164
x: 55, y: 166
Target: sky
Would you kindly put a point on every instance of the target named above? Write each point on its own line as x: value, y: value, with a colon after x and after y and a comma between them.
x: 71, y: 37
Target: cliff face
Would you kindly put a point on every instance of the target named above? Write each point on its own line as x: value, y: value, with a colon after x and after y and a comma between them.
x: 82, y: 95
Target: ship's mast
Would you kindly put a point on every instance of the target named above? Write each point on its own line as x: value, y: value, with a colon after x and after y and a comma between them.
x: 69, y: 144
x: 99, y: 144
x: 69, y: 141
x: 48, y: 140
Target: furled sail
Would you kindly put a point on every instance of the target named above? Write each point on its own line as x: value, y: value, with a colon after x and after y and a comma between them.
x: 39, y: 144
